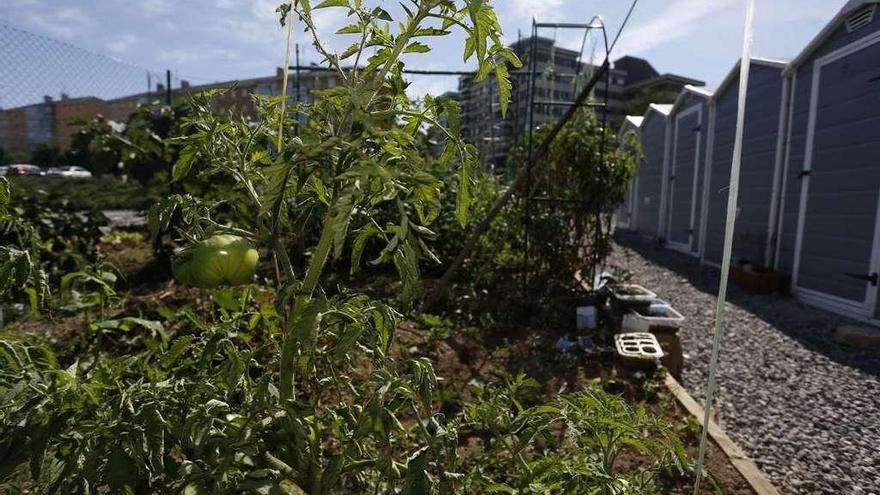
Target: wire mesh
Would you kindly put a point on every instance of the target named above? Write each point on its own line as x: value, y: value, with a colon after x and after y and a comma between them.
x: 35, y: 66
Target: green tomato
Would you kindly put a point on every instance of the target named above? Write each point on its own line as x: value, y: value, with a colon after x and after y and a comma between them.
x: 218, y: 260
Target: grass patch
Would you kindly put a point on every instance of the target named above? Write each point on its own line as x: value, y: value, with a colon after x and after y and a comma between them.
x: 104, y: 193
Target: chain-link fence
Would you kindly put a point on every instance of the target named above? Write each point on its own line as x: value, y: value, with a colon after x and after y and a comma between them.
x: 34, y: 67
x: 46, y: 85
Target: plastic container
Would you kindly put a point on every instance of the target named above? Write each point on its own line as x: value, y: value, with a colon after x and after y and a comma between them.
x: 656, y: 317
x: 586, y: 317
x: 633, y: 295
x: 564, y: 344
x: 658, y: 304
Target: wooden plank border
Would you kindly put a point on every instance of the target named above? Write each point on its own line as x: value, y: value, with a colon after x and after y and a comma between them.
x: 746, y: 467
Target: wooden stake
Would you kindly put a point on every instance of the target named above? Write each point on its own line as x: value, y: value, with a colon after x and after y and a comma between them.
x: 280, y: 141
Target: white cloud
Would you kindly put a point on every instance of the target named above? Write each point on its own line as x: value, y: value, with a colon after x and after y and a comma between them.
x: 430, y: 85
x: 256, y: 25
x: 227, y: 54
x: 677, y: 20
x: 539, y: 9
x: 152, y: 8
x: 62, y: 22
x: 246, y: 30
x: 122, y: 44
x: 178, y: 56
x: 768, y: 12
x: 265, y: 9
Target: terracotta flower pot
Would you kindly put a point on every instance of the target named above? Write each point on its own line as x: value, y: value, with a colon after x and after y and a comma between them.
x: 755, y: 280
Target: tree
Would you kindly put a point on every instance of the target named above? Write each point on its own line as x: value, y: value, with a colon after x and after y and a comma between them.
x: 45, y: 155
x: 638, y: 103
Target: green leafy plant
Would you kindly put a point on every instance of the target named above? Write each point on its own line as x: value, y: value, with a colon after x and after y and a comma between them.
x: 589, y: 171
x: 332, y: 410
x: 40, y: 243
x: 573, y: 445
x: 138, y: 147
x: 298, y: 385
x: 98, y: 193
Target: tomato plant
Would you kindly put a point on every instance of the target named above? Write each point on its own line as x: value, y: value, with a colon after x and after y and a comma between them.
x: 357, y: 156
x: 589, y: 172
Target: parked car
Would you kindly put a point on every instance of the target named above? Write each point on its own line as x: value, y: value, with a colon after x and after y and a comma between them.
x: 23, y: 169
x: 69, y: 171
x: 3, y: 170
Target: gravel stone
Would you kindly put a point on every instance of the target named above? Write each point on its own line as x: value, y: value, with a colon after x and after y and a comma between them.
x: 125, y: 218
x: 804, y: 408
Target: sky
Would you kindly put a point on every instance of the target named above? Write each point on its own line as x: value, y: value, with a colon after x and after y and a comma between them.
x: 215, y: 40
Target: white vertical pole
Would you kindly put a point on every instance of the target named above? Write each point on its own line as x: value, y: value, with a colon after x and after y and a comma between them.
x: 745, y: 64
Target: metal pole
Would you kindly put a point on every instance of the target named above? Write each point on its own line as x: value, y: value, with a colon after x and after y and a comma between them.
x: 428, y: 72
x: 491, y: 160
x: 170, y: 166
x: 600, y: 200
x: 168, y: 87
x: 528, y: 189
x: 297, y: 73
x: 297, y: 88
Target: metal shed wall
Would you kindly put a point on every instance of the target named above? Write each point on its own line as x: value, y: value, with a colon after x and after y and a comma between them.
x: 841, y: 150
x: 758, y: 165
x: 687, y: 156
x: 649, y: 182
x: 624, y: 213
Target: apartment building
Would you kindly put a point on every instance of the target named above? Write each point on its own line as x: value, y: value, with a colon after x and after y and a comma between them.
x: 560, y: 75
x: 52, y: 121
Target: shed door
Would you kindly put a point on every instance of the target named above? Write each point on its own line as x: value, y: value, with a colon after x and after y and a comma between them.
x: 839, y: 250
x: 683, y: 179
x: 625, y: 210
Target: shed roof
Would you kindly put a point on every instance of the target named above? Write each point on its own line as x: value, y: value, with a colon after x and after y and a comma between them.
x: 630, y: 123
x: 734, y: 72
x: 635, y: 120
x: 701, y: 92
x: 826, y: 32
x: 660, y: 109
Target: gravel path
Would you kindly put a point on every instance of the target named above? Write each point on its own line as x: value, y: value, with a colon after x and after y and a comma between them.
x: 804, y: 408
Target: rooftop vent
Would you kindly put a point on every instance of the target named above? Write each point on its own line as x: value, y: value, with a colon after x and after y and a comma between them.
x: 861, y: 18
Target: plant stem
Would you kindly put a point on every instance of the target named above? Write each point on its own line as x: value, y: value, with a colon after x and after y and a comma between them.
x: 322, y: 251
x: 304, y: 297
x: 400, y: 44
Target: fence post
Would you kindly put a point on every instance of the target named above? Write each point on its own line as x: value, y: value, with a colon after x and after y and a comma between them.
x: 168, y: 87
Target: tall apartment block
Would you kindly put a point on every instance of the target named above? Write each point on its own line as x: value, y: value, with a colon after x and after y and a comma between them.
x: 560, y: 77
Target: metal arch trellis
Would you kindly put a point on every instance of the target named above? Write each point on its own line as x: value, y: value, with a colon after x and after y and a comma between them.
x: 596, y: 23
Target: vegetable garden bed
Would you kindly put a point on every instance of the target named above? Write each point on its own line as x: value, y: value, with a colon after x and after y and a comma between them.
x: 466, y: 359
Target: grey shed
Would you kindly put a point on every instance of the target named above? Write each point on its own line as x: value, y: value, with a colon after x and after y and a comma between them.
x: 631, y: 126
x: 754, y: 227
x: 649, y: 188
x: 829, y: 222
x: 684, y: 174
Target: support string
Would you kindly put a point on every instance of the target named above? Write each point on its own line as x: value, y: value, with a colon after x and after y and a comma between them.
x: 745, y: 63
